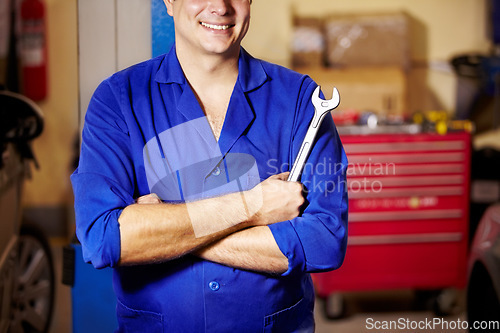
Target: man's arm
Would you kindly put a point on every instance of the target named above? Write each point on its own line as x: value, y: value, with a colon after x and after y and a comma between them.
x: 251, y: 249
x: 161, y: 232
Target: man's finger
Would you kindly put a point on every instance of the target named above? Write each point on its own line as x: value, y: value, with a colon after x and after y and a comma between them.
x: 149, y: 199
x: 281, y: 176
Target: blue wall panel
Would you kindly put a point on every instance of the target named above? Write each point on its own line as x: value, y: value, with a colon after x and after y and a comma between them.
x: 162, y: 28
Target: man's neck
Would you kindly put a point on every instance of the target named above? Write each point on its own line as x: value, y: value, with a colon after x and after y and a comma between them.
x: 205, y: 70
x: 212, y: 78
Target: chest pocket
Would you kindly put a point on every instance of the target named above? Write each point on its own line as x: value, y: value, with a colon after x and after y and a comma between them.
x: 136, y: 321
x: 298, y: 318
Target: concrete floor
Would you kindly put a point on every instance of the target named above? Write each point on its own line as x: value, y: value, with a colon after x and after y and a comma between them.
x: 363, y: 309
x: 366, y: 309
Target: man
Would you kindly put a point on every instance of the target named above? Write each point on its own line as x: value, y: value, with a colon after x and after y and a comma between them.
x: 209, y: 130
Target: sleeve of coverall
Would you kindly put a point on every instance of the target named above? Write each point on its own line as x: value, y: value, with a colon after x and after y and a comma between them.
x: 103, y: 182
x: 316, y: 240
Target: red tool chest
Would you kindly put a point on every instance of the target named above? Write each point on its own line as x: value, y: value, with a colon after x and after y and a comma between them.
x: 408, y: 213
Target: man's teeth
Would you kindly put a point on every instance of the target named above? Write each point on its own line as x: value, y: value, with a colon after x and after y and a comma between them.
x: 216, y: 27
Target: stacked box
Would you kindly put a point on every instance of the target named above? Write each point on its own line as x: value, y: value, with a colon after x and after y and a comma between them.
x: 308, y: 43
x: 367, y: 40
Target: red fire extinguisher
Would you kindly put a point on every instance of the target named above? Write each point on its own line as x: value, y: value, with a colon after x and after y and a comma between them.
x: 33, y: 50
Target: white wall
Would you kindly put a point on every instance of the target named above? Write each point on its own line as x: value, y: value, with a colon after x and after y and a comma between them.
x: 112, y: 35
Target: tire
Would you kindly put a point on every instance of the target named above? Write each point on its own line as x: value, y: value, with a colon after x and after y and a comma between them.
x: 483, y: 303
x: 34, y: 285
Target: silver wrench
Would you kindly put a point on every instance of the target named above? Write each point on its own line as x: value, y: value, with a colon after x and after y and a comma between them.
x: 321, y: 109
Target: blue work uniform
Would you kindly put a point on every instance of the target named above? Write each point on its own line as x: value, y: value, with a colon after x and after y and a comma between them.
x: 134, y: 122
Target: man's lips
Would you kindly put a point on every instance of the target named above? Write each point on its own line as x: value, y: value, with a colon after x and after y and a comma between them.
x: 217, y: 26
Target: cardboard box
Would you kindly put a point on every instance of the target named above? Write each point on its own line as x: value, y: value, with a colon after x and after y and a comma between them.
x: 382, y: 90
x: 367, y: 40
x: 308, y: 42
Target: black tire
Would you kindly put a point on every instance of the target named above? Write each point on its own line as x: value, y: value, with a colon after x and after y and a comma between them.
x: 483, y: 304
x: 34, y: 286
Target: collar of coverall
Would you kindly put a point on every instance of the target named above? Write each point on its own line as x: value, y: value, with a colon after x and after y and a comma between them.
x: 251, y: 75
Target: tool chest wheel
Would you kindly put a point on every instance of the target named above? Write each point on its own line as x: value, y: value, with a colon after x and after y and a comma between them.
x: 334, y: 306
x: 445, y: 302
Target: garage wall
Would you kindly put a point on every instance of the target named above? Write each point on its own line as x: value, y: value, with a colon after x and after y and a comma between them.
x: 444, y: 26
x: 439, y: 30
x: 47, y: 194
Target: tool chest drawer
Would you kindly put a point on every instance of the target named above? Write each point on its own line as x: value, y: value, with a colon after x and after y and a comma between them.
x: 408, y: 213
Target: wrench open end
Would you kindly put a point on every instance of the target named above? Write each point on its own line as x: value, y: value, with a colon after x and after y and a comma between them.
x: 321, y: 109
x: 323, y: 104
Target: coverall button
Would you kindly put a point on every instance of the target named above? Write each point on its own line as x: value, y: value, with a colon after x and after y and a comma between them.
x: 216, y: 171
x: 214, y: 285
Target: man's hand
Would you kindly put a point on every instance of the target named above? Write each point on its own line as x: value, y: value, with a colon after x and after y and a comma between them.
x: 275, y: 200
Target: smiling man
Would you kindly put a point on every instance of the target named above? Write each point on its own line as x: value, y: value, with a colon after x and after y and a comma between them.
x: 177, y: 187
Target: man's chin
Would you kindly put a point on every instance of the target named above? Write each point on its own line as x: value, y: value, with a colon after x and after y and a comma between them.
x: 222, y: 49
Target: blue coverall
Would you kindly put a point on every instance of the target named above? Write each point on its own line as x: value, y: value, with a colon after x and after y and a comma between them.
x: 133, y: 119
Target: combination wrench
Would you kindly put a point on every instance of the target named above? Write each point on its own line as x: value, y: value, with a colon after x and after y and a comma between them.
x: 321, y: 109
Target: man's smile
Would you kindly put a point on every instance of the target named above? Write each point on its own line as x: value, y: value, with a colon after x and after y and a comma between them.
x: 217, y: 26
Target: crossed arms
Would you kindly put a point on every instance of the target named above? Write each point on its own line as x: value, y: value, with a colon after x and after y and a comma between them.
x: 152, y: 231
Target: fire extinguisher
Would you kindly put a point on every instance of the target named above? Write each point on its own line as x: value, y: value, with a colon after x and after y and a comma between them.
x: 33, y: 50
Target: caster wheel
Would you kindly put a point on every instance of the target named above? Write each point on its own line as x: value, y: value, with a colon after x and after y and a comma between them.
x: 445, y: 302
x: 334, y: 306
